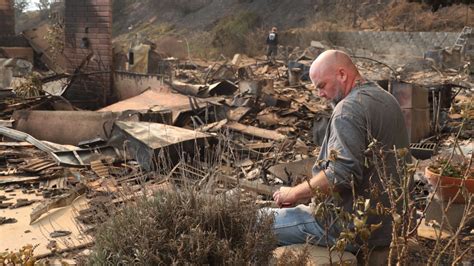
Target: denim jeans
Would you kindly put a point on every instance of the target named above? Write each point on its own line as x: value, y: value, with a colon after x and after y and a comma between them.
x: 298, y: 226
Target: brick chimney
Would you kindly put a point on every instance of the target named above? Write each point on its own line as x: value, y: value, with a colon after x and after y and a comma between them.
x: 7, y: 18
x: 88, y: 31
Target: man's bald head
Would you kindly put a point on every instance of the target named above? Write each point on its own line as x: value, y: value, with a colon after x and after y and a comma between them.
x: 331, y: 60
x: 334, y: 74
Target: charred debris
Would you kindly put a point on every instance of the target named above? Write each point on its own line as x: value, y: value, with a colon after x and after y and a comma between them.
x: 83, y: 128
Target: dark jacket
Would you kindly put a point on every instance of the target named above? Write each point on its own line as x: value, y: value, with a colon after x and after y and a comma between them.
x: 272, y: 38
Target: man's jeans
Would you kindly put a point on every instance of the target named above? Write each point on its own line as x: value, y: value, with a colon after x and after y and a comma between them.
x: 298, y: 226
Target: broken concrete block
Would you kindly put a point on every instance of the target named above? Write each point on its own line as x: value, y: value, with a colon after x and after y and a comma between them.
x: 253, y: 87
x: 6, y: 75
x: 451, y: 218
x: 319, y: 45
x: 236, y: 60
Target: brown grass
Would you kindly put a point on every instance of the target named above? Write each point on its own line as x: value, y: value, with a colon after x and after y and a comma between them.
x: 396, y: 16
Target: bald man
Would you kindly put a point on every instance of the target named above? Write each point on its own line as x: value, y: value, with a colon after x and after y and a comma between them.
x: 362, y: 112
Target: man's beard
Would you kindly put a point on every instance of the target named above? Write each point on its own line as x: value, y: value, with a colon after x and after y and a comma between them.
x: 337, y: 98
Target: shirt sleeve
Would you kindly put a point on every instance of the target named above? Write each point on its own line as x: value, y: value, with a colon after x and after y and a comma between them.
x: 346, y: 143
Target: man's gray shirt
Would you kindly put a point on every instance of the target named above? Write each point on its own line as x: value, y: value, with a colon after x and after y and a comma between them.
x: 368, y: 112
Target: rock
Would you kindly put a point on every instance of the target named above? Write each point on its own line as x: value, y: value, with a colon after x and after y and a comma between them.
x: 86, y: 252
x: 59, y: 233
x: 5, y: 220
x: 317, y: 255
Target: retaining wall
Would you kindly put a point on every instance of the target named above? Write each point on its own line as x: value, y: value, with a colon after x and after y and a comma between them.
x: 381, y: 42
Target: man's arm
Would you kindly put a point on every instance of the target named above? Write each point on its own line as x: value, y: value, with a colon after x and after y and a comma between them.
x: 348, y: 139
x: 288, y: 196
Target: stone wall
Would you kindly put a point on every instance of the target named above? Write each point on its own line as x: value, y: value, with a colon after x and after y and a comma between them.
x: 369, y: 43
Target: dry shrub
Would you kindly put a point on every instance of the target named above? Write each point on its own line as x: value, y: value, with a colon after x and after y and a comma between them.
x: 289, y: 257
x: 255, y: 42
x: 390, y: 15
x: 203, y: 45
x: 183, y: 6
x: 172, y: 46
x: 30, y: 87
x: 185, y: 228
x: 403, y: 15
x: 229, y: 35
x: 200, y: 45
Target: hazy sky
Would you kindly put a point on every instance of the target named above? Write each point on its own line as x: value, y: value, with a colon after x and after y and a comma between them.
x: 32, y: 4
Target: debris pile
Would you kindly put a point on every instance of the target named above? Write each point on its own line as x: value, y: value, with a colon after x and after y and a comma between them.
x: 240, y: 124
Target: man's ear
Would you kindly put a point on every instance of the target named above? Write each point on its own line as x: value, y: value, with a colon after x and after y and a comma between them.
x: 342, y: 74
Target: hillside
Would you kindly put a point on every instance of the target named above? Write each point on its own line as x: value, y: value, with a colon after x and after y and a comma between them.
x: 214, y: 27
x: 286, y: 14
x: 228, y: 26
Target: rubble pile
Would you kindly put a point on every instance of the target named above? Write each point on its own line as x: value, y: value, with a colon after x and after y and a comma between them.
x: 225, y: 126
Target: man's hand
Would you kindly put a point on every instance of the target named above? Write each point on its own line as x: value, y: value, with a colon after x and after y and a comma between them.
x: 290, y: 196
x: 285, y: 197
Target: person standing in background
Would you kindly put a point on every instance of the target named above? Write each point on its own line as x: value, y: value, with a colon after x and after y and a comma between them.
x: 272, y: 44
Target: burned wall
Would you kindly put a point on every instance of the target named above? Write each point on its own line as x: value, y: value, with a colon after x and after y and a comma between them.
x: 88, y: 49
x: 7, y: 18
x: 128, y: 85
